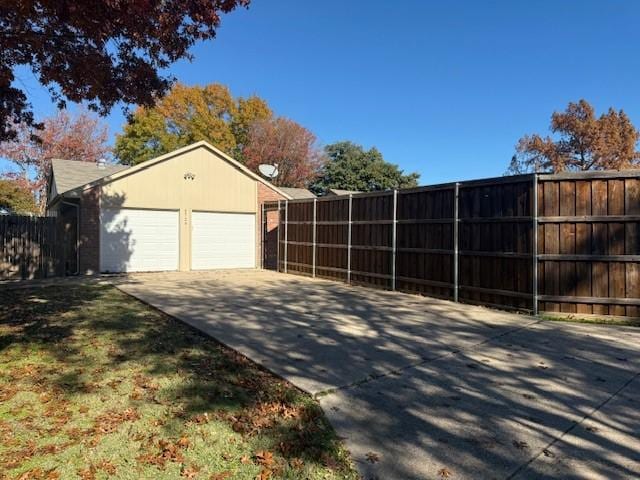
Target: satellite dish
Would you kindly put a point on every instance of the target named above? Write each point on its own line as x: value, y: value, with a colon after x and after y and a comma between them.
x: 269, y: 171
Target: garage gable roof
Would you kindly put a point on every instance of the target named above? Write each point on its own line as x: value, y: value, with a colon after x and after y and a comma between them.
x: 201, y: 144
x: 71, y: 174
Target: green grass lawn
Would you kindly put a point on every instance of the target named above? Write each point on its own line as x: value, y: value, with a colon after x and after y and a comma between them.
x: 576, y: 318
x: 94, y: 384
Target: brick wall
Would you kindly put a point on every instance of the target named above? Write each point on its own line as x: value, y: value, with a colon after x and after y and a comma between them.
x: 266, y: 194
x: 90, y: 232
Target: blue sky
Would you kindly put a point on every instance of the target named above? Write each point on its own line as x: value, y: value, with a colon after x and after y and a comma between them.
x: 444, y: 88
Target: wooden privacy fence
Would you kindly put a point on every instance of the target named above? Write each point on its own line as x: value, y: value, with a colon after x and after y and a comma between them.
x: 557, y: 243
x: 29, y: 247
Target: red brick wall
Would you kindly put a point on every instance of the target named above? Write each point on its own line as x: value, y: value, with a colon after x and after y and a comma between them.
x: 266, y: 194
x: 90, y: 232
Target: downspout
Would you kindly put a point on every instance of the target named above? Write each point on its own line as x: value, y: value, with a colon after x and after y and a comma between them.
x: 77, y: 207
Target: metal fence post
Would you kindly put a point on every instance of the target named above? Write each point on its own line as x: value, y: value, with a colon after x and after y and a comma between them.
x: 394, y: 239
x: 263, y: 222
x: 279, y: 228
x: 315, y: 206
x: 349, y: 240
x: 286, y: 233
x: 456, y: 250
x: 534, y: 247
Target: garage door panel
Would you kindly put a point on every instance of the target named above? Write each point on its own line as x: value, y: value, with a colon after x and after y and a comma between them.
x: 222, y: 240
x: 138, y: 240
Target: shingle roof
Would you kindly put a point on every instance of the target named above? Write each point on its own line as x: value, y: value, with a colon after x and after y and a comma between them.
x: 337, y: 191
x: 297, y: 193
x: 71, y: 174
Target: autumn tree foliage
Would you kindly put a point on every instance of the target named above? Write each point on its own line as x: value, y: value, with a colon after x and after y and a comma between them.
x: 80, y: 137
x: 188, y: 114
x: 16, y: 197
x: 100, y: 52
x: 287, y: 144
x: 582, y: 142
x: 351, y: 167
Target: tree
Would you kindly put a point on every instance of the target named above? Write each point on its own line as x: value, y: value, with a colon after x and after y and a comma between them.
x: 289, y: 145
x: 81, y: 137
x: 583, y: 142
x: 102, y: 52
x: 16, y: 197
x: 186, y: 115
x: 351, y: 167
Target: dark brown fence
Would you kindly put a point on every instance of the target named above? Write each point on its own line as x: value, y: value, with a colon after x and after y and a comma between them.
x: 29, y: 247
x: 558, y: 243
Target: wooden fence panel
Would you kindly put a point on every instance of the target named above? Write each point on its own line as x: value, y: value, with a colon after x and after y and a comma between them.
x: 30, y: 247
x: 425, y: 242
x: 589, y: 257
x: 495, y: 241
x: 587, y: 253
x: 371, y: 239
x: 300, y: 238
x: 332, y: 231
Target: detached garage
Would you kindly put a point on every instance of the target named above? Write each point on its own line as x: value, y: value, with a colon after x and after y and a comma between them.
x: 192, y: 209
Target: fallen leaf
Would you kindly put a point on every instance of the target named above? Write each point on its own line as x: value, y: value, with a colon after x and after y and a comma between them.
x: 372, y: 457
x: 245, y: 460
x: 520, y: 445
x: 220, y: 475
x: 87, y: 473
x: 107, y: 467
x: 39, y: 474
x: 444, y: 473
x: 296, y: 463
x: 189, y: 472
x: 265, y: 474
x: 264, y: 458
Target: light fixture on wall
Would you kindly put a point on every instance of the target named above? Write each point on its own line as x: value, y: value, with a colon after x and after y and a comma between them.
x: 189, y: 176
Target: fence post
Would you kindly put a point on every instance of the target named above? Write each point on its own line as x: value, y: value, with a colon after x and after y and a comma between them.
x: 394, y: 239
x: 263, y: 221
x: 279, y: 228
x: 534, y: 247
x: 349, y: 240
x: 315, y: 206
x: 456, y: 253
x: 286, y: 233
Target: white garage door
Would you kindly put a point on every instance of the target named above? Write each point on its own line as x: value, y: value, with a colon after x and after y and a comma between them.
x: 223, y: 240
x: 138, y: 240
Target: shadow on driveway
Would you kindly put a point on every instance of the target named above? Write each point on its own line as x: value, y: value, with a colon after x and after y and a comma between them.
x: 424, y: 388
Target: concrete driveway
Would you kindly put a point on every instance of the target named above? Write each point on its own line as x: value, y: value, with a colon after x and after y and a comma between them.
x: 421, y: 388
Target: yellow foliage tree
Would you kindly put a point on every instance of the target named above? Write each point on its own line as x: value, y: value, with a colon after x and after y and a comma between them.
x: 188, y: 114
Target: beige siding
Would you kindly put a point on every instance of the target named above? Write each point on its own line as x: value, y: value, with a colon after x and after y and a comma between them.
x: 218, y: 187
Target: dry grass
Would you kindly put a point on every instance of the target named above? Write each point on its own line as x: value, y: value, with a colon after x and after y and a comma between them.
x: 94, y: 384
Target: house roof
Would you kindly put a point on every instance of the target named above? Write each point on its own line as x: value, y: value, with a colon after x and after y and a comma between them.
x: 180, y: 151
x: 337, y: 191
x: 298, y: 193
x: 70, y: 174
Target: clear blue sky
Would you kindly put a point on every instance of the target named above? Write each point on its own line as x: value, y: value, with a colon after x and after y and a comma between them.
x: 444, y: 88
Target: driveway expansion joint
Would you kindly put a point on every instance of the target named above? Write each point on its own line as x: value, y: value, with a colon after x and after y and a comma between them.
x: 397, y: 371
x: 573, y: 426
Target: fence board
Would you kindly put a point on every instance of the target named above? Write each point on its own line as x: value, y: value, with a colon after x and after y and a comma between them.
x: 30, y: 247
x: 588, y: 233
